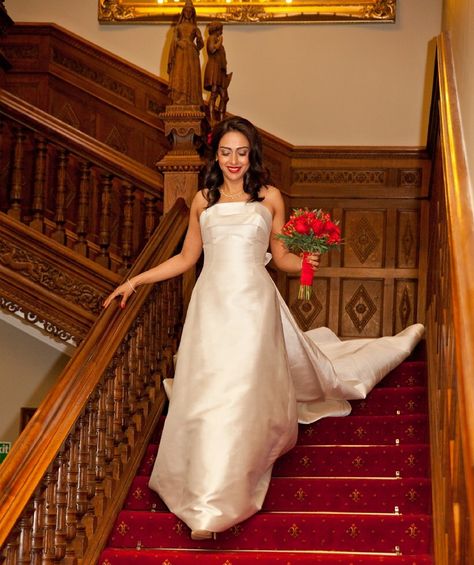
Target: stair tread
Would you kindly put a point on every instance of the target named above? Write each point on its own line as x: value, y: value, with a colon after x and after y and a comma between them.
x: 283, y: 530
x: 183, y: 557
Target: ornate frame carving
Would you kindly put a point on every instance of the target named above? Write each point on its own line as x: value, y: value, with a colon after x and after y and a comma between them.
x: 250, y: 11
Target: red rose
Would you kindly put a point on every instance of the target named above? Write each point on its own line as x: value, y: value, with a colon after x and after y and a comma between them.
x: 318, y: 227
x: 301, y: 226
x: 334, y: 232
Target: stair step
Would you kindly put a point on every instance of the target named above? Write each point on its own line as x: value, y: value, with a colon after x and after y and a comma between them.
x: 317, y: 494
x: 409, y: 373
x: 286, y: 531
x: 365, y: 430
x: 113, y: 556
x: 331, y: 461
x: 392, y: 401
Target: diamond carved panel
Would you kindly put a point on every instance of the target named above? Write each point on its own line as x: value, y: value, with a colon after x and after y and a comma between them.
x: 364, y: 236
x: 405, y: 304
x: 407, y: 239
x: 310, y: 313
x: 362, y: 308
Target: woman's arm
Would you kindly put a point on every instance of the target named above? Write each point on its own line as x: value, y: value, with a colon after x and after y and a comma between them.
x: 176, y: 265
x: 284, y: 259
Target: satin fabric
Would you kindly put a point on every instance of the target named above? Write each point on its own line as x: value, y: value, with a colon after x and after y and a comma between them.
x: 246, y: 374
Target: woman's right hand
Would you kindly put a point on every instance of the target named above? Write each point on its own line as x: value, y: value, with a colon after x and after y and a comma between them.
x: 125, y: 290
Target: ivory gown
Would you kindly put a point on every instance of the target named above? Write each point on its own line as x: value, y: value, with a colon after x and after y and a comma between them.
x: 246, y: 374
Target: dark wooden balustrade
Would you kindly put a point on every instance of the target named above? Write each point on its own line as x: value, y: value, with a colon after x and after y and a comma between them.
x: 70, y: 187
x: 450, y: 328
x: 67, y: 475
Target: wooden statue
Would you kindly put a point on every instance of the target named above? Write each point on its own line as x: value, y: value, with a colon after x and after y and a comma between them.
x: 216, y: 79
x: 183, y: 62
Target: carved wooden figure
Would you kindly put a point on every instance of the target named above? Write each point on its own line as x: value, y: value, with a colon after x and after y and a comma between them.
x: 216, y: 79
x: 183, y: 61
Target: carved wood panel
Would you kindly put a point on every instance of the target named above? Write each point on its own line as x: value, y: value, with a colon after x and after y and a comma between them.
x: 374, y: 279
x: 88, y: 88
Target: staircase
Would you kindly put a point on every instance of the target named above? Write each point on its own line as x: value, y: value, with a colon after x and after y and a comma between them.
x: 354, y: 490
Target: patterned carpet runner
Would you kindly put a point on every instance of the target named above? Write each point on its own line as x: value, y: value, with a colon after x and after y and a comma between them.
x: 354, y: 490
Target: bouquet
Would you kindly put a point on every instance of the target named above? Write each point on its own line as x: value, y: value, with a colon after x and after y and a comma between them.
x: 309, y: 231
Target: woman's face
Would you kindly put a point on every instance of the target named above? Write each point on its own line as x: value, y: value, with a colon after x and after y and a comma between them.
x: 233, y: 156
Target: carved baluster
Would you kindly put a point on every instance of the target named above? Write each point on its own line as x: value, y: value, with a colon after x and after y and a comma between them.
x: 109, y: 417
x: 11, y: 548
x: 150, y: 216
x: 90, y: 520
x: 71, y: 481
x: 82, y: 500
x: 130, y: 384
x: 118, y: 410
x: 145, y: 352
x: 59, y: 234
x: 39, y: 184
x: 25, y: 525
x: 139, y: 374
x: 100, y: 452
x: 17, y: 180
x: 37, y: 537
x: 83, y: 210
x: 104, y: 222
x: 60, y: 542
x: 127, y: 224
x: 128, y: 394
x: 49, y: 516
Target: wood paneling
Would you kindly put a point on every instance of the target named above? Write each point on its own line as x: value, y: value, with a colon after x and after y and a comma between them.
x: 88, y: 88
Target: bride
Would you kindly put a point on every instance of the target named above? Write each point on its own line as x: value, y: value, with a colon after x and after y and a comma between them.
x: 245, y: 373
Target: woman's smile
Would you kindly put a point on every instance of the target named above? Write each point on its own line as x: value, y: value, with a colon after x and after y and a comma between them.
x: 233, y: 156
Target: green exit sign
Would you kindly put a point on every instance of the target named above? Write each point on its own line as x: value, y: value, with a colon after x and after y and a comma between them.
x: 4, y: 449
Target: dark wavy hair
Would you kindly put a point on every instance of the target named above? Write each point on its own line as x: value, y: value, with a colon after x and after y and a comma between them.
x: 256, y: 176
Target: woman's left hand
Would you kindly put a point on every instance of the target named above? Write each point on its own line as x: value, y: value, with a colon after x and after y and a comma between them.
x: 313, y: 259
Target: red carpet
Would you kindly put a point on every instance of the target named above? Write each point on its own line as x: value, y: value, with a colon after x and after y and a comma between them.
x: 355, y: 490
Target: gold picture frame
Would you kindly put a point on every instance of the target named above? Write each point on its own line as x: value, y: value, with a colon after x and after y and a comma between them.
x: 250, y: 11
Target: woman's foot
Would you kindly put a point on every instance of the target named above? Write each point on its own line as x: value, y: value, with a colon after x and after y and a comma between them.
x: 202, y: 534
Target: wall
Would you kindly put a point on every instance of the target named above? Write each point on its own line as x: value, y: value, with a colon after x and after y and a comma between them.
x: 24, y: 379
x: 458, y: 20
x: 365, y: 84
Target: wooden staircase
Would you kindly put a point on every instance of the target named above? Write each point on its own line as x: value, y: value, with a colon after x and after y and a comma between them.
x: 79, y: 207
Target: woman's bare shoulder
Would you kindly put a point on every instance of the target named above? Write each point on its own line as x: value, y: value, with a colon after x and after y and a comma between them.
x: 270, y: 192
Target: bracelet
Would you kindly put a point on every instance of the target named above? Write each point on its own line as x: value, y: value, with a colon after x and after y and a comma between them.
x: 131, y: 286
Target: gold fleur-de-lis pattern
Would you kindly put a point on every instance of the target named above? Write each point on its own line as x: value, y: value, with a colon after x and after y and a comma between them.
x: 355, y: 495
x: 300, y: 494
x: 123, y: 528
x: 412, y: 531
x: 353, y: 531
x: 138, y: 494
x: 294, y: 531
x: 236, y: 530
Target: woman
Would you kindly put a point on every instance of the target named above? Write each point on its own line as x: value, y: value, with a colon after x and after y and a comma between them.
x: 245, y: 373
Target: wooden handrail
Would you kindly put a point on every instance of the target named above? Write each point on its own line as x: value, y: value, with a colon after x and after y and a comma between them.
x: 29, y: 470
x: 82, y: 144
x: 450, y: 326
x: 461, y: 222
x: 74, y: 189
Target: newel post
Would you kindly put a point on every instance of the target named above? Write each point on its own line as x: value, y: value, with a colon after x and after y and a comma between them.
x: 181, y: 166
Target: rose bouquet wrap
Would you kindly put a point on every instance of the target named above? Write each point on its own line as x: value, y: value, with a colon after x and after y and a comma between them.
x: 309, y: 231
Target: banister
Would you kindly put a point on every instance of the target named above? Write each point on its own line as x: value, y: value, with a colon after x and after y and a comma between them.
x: 450, y: 325
x: 83, y: 145
x: 33, y: 454
x: 460, y: 200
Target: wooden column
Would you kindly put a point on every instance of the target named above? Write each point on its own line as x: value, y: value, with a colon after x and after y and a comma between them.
x: 181, y: 166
